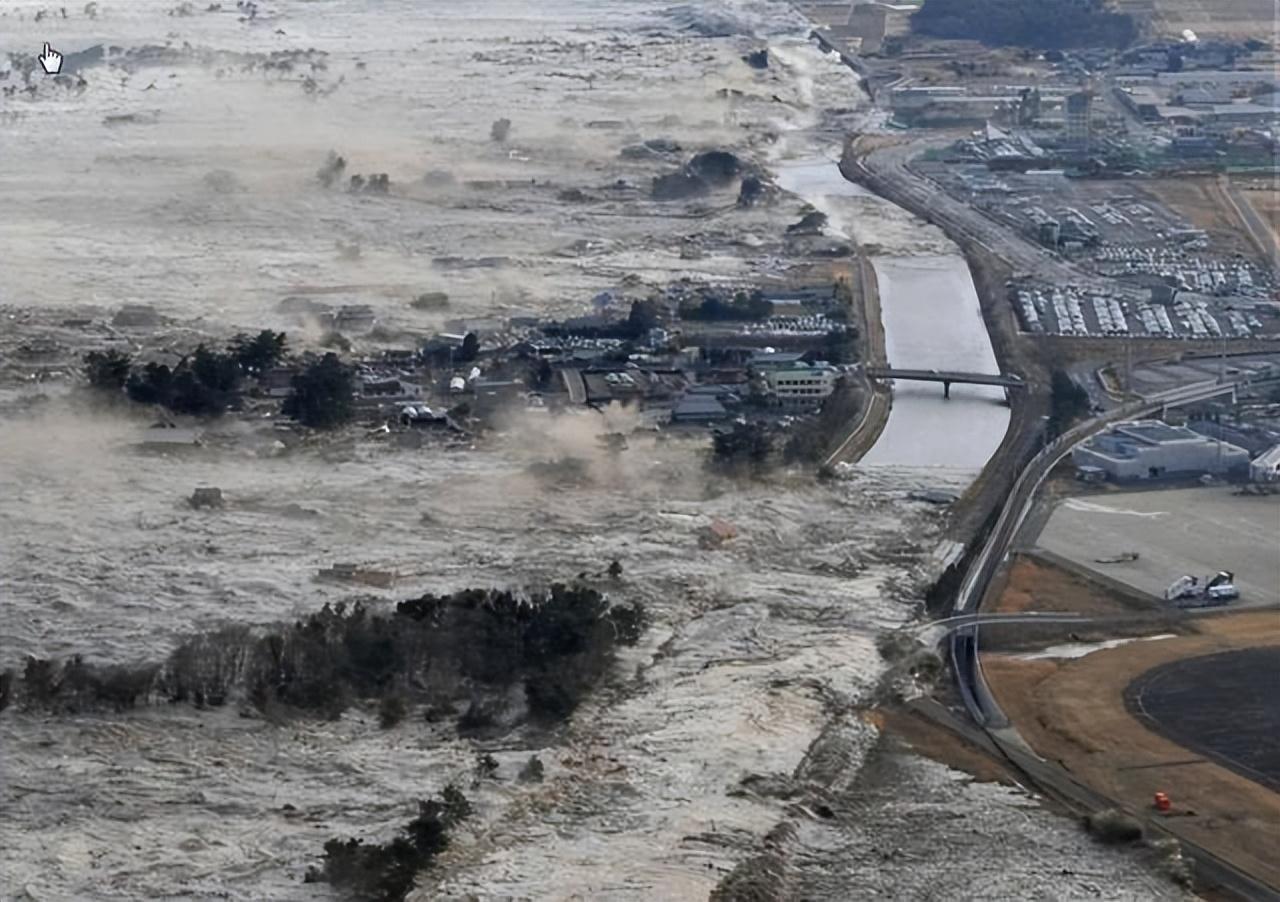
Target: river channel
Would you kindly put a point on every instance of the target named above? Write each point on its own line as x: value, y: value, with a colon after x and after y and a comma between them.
x: 932, y: 320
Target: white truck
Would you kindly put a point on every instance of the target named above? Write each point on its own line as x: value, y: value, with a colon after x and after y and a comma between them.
x: 1189, y: 592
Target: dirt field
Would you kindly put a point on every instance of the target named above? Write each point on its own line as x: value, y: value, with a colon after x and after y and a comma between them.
x: 1035, y: 585
x: 1237, y: 19
x: 1264, y: 199
x: 1202, y: 202
x: 1073, y: 711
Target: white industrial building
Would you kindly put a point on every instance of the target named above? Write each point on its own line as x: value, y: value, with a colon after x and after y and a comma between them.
x: 1151, y: 449
x: 802, y: 384
x: 1266, y: 466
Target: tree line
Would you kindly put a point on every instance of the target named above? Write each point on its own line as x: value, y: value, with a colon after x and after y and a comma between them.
x: 209, y: 381
x: 457, y: 653
x: 385, y: 872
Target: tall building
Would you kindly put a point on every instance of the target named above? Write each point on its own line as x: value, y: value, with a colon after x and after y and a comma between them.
x: 1079, y: 112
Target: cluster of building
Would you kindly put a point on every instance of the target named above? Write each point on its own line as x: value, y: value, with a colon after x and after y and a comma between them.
x: 671, y: 370
x: 1051, y: 106
x: 1202, y: 102
x: 785, y: 382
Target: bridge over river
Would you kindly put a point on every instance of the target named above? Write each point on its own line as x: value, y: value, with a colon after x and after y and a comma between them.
x: 946, y: 377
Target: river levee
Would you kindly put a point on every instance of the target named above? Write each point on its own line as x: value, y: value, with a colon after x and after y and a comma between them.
x: 932, y: 320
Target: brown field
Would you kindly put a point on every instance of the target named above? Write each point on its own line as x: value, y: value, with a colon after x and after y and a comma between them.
x: 1035, y: 585
x: 1073, y: 711
x: 1265, y: 198
x: 1202, y: 202
x: 1233, y: 19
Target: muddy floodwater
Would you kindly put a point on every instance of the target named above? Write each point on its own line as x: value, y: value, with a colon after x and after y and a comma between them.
x: 179, y: 171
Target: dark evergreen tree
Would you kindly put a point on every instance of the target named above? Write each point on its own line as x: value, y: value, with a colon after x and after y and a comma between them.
x: 258, y: 353
x: 642, y: 317
x: 746, y: 447
x: 154, y: 385
x: 322, y: 395
x: 470, y: 349
x: 1067, y: 402
x: 107, y: 370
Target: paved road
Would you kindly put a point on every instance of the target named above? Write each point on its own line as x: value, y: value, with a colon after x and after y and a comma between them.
x: 886, y: 172
x: 936, y: 631
x: 862, y: 435
x: 967, y: 666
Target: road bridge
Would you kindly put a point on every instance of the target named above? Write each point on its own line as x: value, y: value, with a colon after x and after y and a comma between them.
x: 946, y: 377
x: 934, y: 632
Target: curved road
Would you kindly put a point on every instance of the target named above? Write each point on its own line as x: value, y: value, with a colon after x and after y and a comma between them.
x: 982, y: 707
x: 887, y: 171
x: 973, y: 688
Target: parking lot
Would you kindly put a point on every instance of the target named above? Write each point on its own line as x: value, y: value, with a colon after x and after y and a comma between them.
x: 1173, y: 279
x: 1175, y: 532
x: 1072, y: 310
x: 1112, y: 210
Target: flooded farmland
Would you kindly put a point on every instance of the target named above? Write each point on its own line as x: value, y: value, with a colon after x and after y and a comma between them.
x: 182, y: 175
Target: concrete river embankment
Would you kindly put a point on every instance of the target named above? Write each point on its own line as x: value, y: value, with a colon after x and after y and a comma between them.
x: 932, y: 320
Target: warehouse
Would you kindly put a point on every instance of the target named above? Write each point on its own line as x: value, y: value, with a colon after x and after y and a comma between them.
x: 1151, y: 449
